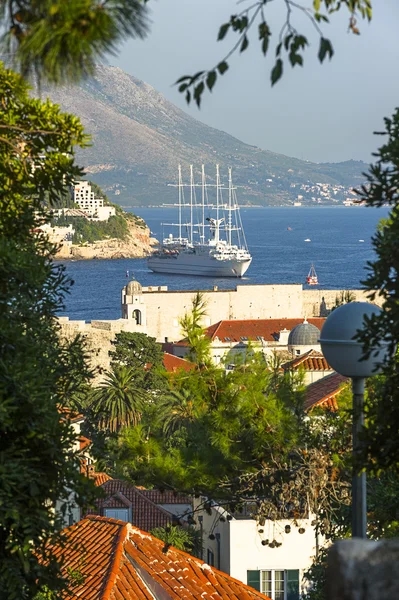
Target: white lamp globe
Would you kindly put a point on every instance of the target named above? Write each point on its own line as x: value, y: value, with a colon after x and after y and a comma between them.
x: 341, y: 350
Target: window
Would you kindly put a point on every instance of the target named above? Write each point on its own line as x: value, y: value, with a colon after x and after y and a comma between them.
x: 122, y: 514
x: 278, y: 584
x: 272, y: 584
x: 210, y: 558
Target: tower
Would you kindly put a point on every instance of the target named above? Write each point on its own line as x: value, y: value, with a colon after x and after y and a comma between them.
x: 133, y: 304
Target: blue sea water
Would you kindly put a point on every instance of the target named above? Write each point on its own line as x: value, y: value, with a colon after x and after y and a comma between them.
x: 280, y: 255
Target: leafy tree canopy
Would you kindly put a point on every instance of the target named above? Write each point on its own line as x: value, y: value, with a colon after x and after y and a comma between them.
x: 211, y: 429
x: 63, y: 41
x: 381, y: 444
x: 38, y: 373
x: 143, y: 355
x: 252, y: 22
x: 182, y: 538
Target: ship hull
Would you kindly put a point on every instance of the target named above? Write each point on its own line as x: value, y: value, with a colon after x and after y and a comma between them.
x: 201, y: 265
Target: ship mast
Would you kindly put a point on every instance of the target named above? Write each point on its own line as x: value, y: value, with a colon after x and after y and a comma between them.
x: 217, y: 204
x: 203, y: 204
x: 229, y: 225
x: 180, y: 192
x: 191, y: 202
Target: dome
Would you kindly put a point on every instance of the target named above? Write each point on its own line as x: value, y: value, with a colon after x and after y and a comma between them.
x: 304, y: 334
x: 133, y: 287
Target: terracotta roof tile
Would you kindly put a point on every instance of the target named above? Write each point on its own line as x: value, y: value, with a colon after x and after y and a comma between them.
x: 120, y: 562
x: 324, y: 391
x: 174, y: 363
x: 310, y: 361
x: 100, y: 478
x: 84, y: 442
x: 143, y: 503
x: 236, y: 329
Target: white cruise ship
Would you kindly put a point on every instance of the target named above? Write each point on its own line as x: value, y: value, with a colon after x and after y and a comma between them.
x: 213, y: 244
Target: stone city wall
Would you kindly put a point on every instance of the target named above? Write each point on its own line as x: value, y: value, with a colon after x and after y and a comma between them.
x: 164, y: 308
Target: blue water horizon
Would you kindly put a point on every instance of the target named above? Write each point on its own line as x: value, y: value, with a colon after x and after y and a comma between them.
x: 340, y: 248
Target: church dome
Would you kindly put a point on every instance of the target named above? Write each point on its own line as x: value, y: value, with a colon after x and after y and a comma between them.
x: 304, y: 334
x: 133, y: 288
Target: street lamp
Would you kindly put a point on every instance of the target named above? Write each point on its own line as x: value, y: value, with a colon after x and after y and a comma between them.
x: 345, y: 355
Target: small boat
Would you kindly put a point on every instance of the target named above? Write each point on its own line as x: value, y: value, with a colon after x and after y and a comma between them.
x: 289, y: 228
x: 361, y: 241
x: 308, y: 240
x: 311, y: 279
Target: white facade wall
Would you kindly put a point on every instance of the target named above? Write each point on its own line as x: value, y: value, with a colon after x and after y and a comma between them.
x: 237, y: 547
x: 247, y: 553
x: 84, y: 198
x: 103, y: 213
x: 164, y: 308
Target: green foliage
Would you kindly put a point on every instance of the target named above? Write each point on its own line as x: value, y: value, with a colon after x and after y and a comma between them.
x: 343, y: 297
x: 63, y: 41
x: 213, y: 427
x: 381, y: 444
x: 87, y: 231
x: 316, y: 577
x: 144, y: 356
x: 290, y: 40
x: 118, y: 402
x: 187, y: 539
x: 194, y: 333
x: 38, y: 465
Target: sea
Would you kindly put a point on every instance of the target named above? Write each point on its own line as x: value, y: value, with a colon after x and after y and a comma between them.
x: 340, y: 247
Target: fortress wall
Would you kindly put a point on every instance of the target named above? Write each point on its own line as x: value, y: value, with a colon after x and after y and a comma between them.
x: 164, y: 308
x: 98, y: 336
x: 313, y: 300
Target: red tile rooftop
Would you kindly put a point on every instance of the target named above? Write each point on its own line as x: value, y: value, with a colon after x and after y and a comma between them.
x: 100, y: 478
x: 310, y: 361
x: 252, y: 329
x: 324, y: 391
x: 145, y: 513
x: 117, y: 561
x: 174, y: 363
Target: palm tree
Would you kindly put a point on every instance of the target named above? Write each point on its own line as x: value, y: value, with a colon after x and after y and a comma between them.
x: 178, y: 409
x: 117, y: 402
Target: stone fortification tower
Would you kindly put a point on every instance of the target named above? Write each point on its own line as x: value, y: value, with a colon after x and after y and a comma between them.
x: 133, y: 305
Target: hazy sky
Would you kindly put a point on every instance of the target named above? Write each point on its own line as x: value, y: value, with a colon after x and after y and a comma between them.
x: 318, y: 113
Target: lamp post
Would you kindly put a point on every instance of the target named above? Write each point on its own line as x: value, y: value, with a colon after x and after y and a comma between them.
x: 345, y: 355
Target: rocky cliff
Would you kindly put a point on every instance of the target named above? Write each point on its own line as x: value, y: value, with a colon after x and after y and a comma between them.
x: 137, y: 245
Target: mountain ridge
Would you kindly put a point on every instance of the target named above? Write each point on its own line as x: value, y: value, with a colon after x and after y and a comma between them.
x: 139, y: 138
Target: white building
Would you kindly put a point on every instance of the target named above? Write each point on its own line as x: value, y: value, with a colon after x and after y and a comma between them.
x: 56, y: 234
x: 231, y: 338
x: 269, y: 556
x: 156, y: 310
x: 83, y: 196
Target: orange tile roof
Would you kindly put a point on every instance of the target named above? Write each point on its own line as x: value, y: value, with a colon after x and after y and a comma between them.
x: 100, y: 478
x: 251, y: 329
x: 310, y: 361
x: 174, y: 363
x: 84, y: 442
x: 324, y: 391
x: 117, y: 561
x: 143, y: 503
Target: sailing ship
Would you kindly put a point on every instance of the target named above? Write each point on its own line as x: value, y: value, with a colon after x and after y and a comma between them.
x: 210, y: 238
x: 312, y: 276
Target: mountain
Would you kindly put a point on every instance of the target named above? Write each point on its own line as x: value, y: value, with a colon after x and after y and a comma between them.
x: 139, y: 138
